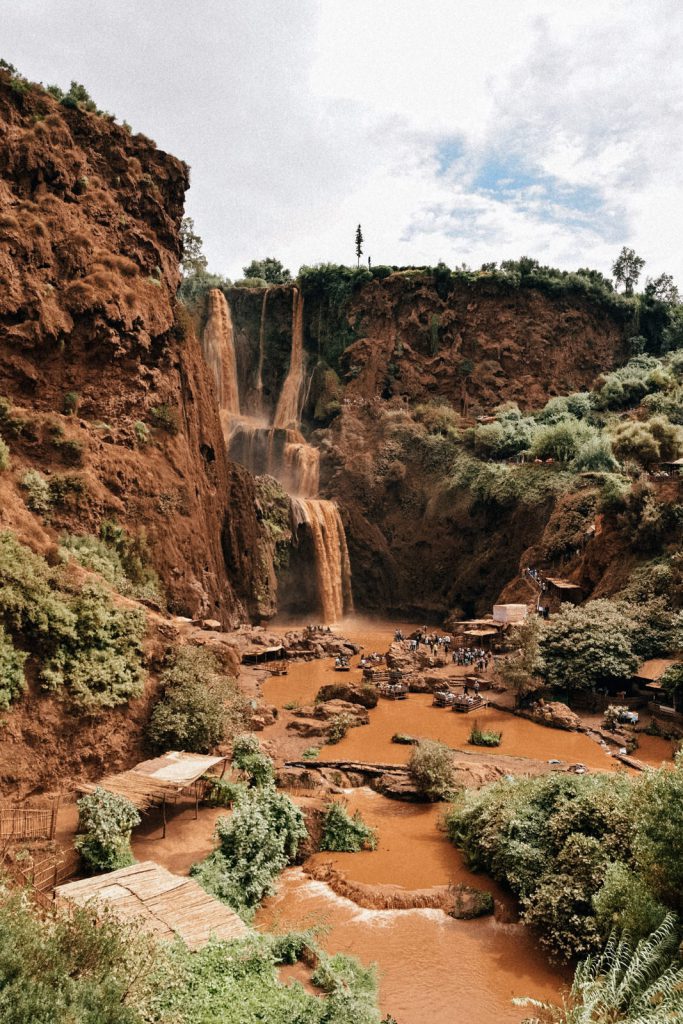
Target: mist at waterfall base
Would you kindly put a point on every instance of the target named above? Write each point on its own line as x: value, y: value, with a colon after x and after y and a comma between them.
x: 276, y: 447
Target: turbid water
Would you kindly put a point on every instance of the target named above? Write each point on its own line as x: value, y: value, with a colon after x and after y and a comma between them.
x: 431, y: 968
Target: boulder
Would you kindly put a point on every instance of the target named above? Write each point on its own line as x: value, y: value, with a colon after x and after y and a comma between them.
x: 354, y: 693
x: 556, y: 715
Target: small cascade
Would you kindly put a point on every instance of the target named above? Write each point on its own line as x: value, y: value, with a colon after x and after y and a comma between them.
x: 218, y: 347
x: 288, y: 409
x: 333, y: 569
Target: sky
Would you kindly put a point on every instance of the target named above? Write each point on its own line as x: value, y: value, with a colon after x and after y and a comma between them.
x: 466, y: 131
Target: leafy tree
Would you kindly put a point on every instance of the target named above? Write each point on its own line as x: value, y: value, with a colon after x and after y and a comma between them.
x: 663, y: 289
x: 521, y: 670
x: 193, y: 261
x: 343, y: 833
x: 431, y: 766
x: 105, y: 823
x: 627, y: 268
x: 359, y: 244
x: 587, y: 646
x: 199, y: 707
x: 269, y: 270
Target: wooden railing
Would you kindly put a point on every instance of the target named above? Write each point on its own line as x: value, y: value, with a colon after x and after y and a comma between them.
x: 28, y: 822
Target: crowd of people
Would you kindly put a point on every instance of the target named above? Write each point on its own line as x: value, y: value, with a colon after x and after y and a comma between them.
x: 477, y: 657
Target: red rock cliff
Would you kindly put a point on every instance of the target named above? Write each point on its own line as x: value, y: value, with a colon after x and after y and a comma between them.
x: 89, y: 250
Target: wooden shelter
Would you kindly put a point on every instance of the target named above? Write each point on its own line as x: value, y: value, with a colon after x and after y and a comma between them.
x: 564, y: 590
x: 164, y: 904
x: 159, y: 781
x: 260, y: 655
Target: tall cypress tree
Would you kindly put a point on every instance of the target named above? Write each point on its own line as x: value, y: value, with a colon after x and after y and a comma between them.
x: 359, y: 244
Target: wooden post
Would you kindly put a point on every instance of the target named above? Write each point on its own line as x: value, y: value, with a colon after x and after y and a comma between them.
x: 163, y: 812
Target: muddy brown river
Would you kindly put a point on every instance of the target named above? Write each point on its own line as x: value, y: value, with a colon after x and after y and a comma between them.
x: 431, y: 968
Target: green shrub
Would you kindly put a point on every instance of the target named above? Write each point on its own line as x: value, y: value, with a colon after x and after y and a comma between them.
x: 310, y: 753
x: 200, y: 707
x: 248, y: 757
x: 223, y: 792
x: 482, y: 738
x: 105, y: 823
x: 12, y: 681
x: 165, y: 417
x: 343, y: 833
x: 38, y: 496
x: 70, y: 403
x: 83, y: 645
x: 120, y: 559
x: 255, y: 844
x: 338, y: 727
x: 595, y: 456
x: 141, y: 431
x: 431, y: 766
x: 4, y: 456
x: 625, y: 902
x: 71, y: 451
x: 562, y: 441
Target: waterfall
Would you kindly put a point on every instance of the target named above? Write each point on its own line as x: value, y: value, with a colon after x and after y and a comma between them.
x: 261, y: 354
x: 280, y: 449
x: 288, y: 407
x: 218, y: 346
x: 332, y: 566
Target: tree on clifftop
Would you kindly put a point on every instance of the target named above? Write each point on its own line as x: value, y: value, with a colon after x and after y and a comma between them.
x: 359, y: 244
x: 269, y: 270
x: 193, y: 260
x: 627, y: 268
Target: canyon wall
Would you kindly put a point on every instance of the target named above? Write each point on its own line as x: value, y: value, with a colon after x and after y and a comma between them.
x: 407, y: 340
x: 100, y: 365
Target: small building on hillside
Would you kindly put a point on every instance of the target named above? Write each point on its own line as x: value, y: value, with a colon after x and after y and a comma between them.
x: 674, y: 468
x: 510, y: 614
x: 563, y: 590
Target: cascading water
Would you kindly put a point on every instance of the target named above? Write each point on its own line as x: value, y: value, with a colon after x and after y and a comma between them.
x: 332, y: 566
x: 281, y: 450
x: 288, y: 410
x: 218, y: 345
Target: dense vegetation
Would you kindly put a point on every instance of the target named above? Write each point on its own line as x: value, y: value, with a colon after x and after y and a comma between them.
x: 80, y: 644
x: 199, y: 707
x: 94, y: 970
x: 583, y: 854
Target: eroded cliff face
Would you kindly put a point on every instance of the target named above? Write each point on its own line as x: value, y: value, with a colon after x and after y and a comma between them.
x: 101, y: 367
x: 476, y: 344
x: 416, y: 547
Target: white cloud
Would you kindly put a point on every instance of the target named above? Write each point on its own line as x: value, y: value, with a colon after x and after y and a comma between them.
x: 301, y: 119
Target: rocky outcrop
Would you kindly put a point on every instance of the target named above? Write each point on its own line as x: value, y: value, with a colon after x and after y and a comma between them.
x: 554, y: 714
x: 460, y: 901
x: 354, y: 693
x: 101, y: 367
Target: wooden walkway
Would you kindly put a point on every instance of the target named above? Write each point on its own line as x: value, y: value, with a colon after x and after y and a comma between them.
x: 166, y: 905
